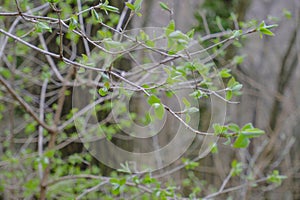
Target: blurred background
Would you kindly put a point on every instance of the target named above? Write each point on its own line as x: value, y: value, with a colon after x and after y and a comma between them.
x: 270, y: 73
x: 268, y: 68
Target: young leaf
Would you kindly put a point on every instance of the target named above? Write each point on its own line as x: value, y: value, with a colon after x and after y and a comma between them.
x: 153, y: 99
x: 275, y: 177
x: 187, y: 118
x: 5, y: 72
x: 247, y: 126
x: 228, y: 95
x: 237, y: 87
x: 231, y: 82
x: 178, y: 35
x: 242, y: 141
x: 103, y: 91
x: 85, y: 58
x: 164, y: 6
x: 170, y: 28
x: 95, y: 16
x: 53, y: 1
x: 254, y: 132
x: 73, y: 23
x: 225, y: 73
x: 159, y: 110
x: 130, y: 6
x: 41, y: 26
x: 238, y: 59
x: 237, y: 168
x: 266, y: 31
x: 287, y: 13
x: 217, y: 128
x: 237, y: 33
x: 137, y: 5
x: 190, y: 34
x: 106, y: 8
x: 233, y: 127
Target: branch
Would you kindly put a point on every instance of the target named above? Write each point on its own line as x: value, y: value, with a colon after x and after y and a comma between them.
x: 92, y: 189
x: 41, y: 137
x: 25, y: 105
x: 234, y: 188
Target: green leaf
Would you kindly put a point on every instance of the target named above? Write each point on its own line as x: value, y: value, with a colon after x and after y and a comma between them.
x: 231, y: 82
x: 30, y: 128
x: 5, y: 72
x: 122, y: 181
x: 164, y: 6
x: 147, y: 119
x: 275, y: 177
x: 30, y: 186
x: 159, y: 110
x: 237, y: 33
x: 137, y: 5
x: 179, y: 36
x: 287, y: 13
x: 214, y: 148
x: 190, y: 34
x: 125, y: 169
x: 153, y: 99
x: 236, y: 168
x: 95, y: 16
x: 169, y: 94
x: 49, y: 153
x: 254, y: 132
x: 109, y: 43
x: 247, y: 126
x: 170, y: 28
x: 217, y: 128
x: 109, y: 8
x: 237, y: 87
x: 238, y: 60
x: 228, y: 95
x: 107, y: 85
x: 187, y: 118
x: 104, y: 77
x: 53, y: 1
x: 271, y: 26
x: 130, y: 6
x: 85, y: 58
x: 233, y: 85
x: 103, y: 91
x: 73, y: 23
x: 233, y: 127
x: 41, y: 26
x: 198, y: 94
x: 189, y: 164
x: 265, y: 31
x: 242, y: 141
x: 114, y: 181
x: 186, y: 102
x: 225, y: 73
x: 262, y: 24
x: 136, y: 180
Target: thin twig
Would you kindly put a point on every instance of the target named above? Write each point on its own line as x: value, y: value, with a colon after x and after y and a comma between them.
x: 233, y: 188
x: 92, y: 189
x: 41, y: 137
x: 25, y: 105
